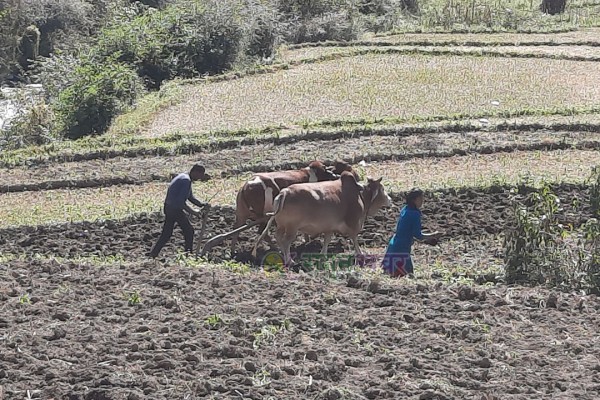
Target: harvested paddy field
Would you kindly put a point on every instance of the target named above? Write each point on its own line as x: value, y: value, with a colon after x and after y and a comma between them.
x: 590, y: 36
x: 563, y: 52
x: 378, y: 86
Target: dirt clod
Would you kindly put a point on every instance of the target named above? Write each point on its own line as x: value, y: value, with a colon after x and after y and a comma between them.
x: 552, y: 301
x: 312, y: 355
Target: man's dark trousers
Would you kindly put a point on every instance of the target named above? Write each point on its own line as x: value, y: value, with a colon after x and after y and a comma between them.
x: 172, y: 216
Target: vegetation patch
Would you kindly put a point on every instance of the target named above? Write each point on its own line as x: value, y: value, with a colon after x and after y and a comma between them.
x: 540, y: 249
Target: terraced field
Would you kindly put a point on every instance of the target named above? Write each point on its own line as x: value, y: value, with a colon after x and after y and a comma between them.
x: 84, y: 314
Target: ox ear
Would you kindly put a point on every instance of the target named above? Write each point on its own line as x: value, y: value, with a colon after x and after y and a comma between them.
x: 379, y: 180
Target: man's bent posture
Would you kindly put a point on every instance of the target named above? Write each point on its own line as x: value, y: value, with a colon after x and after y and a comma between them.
x: 180, y: 190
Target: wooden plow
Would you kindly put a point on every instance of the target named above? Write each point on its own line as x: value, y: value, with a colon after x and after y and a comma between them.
x: 222, y: 237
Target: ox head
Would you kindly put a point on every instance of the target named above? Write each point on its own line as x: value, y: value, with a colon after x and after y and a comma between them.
x: 318, y: 172
x: 340, y: 166
x: 379, y: 198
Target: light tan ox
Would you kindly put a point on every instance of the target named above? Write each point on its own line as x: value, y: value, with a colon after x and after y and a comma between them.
x: 255, y: 198
x: 339, y: 206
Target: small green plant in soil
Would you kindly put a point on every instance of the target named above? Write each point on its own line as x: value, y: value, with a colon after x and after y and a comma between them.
x: 134, y: 298
x: 24, y: 299
x: 235, y: 267
x: 261, y: 378
x: 214, y: 321
x: 268, y: 333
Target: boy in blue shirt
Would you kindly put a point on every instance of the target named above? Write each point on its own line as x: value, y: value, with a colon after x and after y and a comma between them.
x: 180, y: 191
x: 397, y: 261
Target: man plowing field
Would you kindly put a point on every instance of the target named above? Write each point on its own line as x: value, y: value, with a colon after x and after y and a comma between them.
x: 175, y: 208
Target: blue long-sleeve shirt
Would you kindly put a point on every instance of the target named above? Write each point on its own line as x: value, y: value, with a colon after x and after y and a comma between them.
x: 407, y: 229
x: 180, y: 190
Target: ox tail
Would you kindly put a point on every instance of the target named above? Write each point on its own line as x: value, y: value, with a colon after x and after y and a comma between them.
x: 278, y: 203
x: 277, y: 206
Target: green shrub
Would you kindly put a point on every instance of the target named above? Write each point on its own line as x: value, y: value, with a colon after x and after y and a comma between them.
x: 190, y: 38
x: 342, y: 26
x: 320, y: 20
x: 539, y: 250
x: 97, y: 93
x: 58, y: 24
x: 263, y: 28
x: 589, y: 260
x: 531, y: 243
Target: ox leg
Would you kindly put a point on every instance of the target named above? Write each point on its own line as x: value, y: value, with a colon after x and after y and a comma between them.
x: 285, y: 240
x: 326, y: 241
x: 357, y: 249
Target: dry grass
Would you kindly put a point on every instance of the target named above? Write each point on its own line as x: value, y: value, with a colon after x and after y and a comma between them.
x: 484, y: 170
x: 574, y: 52
x: 584, y: 35
x: 377, y: 86
x: 117, y: 202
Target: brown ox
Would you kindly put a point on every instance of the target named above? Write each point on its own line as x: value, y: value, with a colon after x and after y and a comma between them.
x: 255, y: 198
x: 340, y: 206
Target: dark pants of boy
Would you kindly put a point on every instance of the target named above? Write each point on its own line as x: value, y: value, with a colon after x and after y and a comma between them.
x: 172, y: 216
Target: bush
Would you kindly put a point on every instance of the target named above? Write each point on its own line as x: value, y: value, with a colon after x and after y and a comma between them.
x: 263, y: 29
x: 306, y: 9
x: 320, y: 20
x: 49, y: 25
x: 531, y: 244
x: 190, y: 38
x: 331, y: 26
x: 589, y: 260
x: 539, y: 250
x: 97, y: 92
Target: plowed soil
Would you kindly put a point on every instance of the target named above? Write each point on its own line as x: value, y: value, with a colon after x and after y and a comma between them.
x: 465, y: 213
x: 75, y: 336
